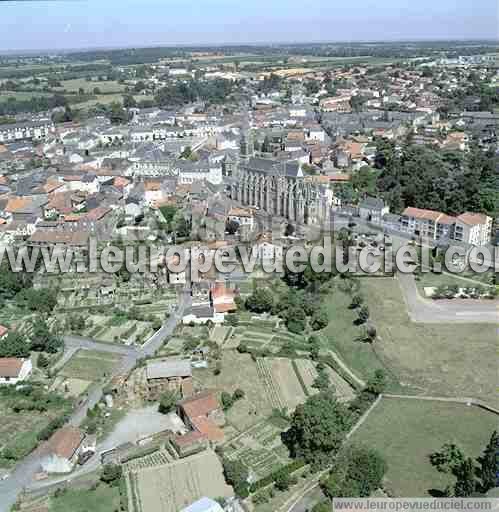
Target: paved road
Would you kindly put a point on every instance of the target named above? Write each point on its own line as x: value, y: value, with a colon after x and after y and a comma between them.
x: 23, y: 474
x: 423, y: 310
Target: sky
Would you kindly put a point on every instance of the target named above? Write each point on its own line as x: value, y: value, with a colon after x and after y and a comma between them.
x: 63, y: 24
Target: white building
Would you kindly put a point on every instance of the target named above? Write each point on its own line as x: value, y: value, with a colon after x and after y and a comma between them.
x: 204, y: 505
x: 473, y: 228
x: 14, y: 370
x: 243, y: 216
x: 64, y: 447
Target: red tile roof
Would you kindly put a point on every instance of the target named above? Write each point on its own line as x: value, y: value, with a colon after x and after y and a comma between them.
x: 201, y: 404
x: 419, y: 213
x: 472, y: 219
x: 208, y: 429
x: 10, y: 366
x: 65, y: 442
x: 3, y: 330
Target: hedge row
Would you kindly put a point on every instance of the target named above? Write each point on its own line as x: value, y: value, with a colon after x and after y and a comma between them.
x: 287, y: 470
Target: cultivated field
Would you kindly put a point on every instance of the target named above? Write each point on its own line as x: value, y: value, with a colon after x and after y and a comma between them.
x: 174, y: 486
x: 433, y: 359
x: 281, y: 382
x: 407, y: 431
x: 306, y: 368
x: 89, y: 365
x: 238, y: 371
x: 260, y: 449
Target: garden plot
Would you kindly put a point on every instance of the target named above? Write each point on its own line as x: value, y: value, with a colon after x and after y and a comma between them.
x: 281, y: 382
x: 260, y: 449
x: 219, y: 334
x: 89, y: 365
x: 306, y: 368
x: 174, y: 486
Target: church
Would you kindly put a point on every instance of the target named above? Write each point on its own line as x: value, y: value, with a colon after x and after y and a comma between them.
x: 280, y: 188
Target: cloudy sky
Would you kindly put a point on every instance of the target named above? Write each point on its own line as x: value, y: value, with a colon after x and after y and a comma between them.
x: 59, y: 24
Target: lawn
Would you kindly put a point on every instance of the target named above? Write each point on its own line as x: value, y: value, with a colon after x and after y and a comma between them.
x: 433, y: 359
x: 102, y: 499
x: 341, y: 334
x: 89, y: 365
x: 407, y: 431
x: 429, y: 279
x: 239, y: 371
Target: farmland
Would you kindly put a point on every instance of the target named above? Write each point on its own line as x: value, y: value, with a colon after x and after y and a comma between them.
x: 281, y: 382
x: 171, y: 487
x: 104, y: 87
x: 260, y: 449
x: 407, y: 431
x: 102, y: 499
x: 89, y: 365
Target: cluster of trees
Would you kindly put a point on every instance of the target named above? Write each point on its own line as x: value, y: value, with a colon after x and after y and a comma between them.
x: 473, y: 477
x: 180, y: 93
x: 357, y: 473
x: 41, y: 339
x: 447, y: 181
x: 296, y: 307
x: 228, y: 399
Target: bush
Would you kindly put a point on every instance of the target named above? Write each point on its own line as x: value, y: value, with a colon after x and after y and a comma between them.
x: 111, y: 473
x: 279, y: 475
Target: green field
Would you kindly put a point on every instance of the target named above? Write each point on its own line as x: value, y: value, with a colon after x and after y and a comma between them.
x: 341, y: 334
x: 89, y: 86
x: 433, y: 359
x: 22, y: 96
x: 90, y: 365
x: 102, y: 499
x: 407, y: 431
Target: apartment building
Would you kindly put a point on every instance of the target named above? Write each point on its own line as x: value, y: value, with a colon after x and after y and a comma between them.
x: 473, y: 228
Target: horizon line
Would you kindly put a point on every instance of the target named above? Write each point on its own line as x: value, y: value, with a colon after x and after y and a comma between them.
x: 88, y: 49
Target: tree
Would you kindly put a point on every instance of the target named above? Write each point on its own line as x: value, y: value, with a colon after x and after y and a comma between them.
x: 284, y: 481
x: 322, y: 381
x: 111, y: 473
x: 448, y: 459
x: 227, y: 400
x: 377, y: 383
x: 488, y: 464
x: 231, y: 227
x: 42, y: 361
x: 363, y: 314
x: 296, y: 320
x: 358, y: 472
x: 236, y: 474
x: 466, y: 483
x: 42, y: 339
x: 319, y: 319
x: 260, y: 301
x: 167, y: 402
x: 357, y: 300
x: 317, y: 429
x: 14, y: 346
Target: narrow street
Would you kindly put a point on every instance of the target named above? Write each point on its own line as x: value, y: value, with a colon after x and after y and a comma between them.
x: 23, y: 474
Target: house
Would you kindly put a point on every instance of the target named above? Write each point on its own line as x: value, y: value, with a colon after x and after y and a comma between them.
x: 243, y: 216
x: 14, y: 369
x: 223, y: 298
x: 169, y: 375
x: 473, y: 228
x: 190, y: 443
x: 3, y: 332
x: 373, y: 209
x: 203, y: 505
x: 202, y: 314
x: 63, y: 449
x: 202, y: 413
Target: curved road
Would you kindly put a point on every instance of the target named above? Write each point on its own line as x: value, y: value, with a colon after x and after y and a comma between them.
x: 428, y: 311
x: 23, y: 474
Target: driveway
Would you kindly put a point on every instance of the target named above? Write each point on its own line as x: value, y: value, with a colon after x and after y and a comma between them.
x: 23, y: 474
